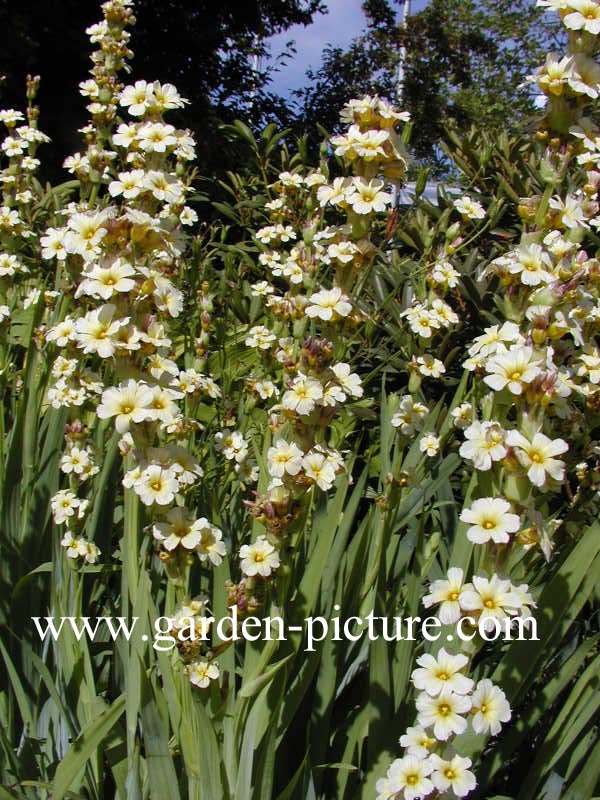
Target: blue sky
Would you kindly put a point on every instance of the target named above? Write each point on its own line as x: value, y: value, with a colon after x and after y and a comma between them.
x: 344, y: 21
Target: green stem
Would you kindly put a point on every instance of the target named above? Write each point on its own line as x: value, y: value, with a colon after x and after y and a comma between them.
x: 130, y: 549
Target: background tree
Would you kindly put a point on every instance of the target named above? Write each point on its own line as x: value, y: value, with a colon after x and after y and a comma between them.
x: 205, y: 47
x: 466, y: 61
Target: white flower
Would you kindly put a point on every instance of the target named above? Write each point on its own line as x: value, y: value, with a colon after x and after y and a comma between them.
x: 537, y: 456
x: 417, y: 741
x: 334, y: 194
x: 484, y: 444
x: 162, y: 407
x: 512, y: 369
x: 129, y: 185
x: 92, y: 553
x: 76, y: 461
x: 65, y: 504
x: 444, y: 274
x: 493, y: 598
x: 188, y: 216
x: 201, y: 673
x: 167, y: 97
x: 343, y: 252
x: 469, y: 208
x: 430, y: 367
x: 494, y: 339
x: 327, y: 304
x: 259, y: 558
x: 441, y: 672
x: 422, y: 320
x: 365, y: 197
x: 360, y: 144
x: 126, y: 135
x: 349, y: 381
x: 429, y: 444
x: 490, y: 708
x: 211, y: 545
x: 452, y: 774
x: 85, y: 232
x: 95, y: 332
x: 532, y: 265
x: 265, y: 389
x: 75, y: 546
x: 180, y: 528
x: 62, y: 332
x: 444, y: 313
x: 591, y: 366
x: 156, y: 485
x: 32, y: 297
x: 447, y: 593
x: 410, y: 415
x: 443, y: 713
x: 319, y: 468
x: 9, y: 265
x: 137, y: 99
x: 462, y: 415
x: 283, y: 458
x: 409, y: 776
x: 490, y: 519
x: 64, y: 367
x: 261, y: 289
x: 261, y: 337
x: 384, y: 792
x: 105, y: 281
x: 233, y: 445
x: 129, y: 402
x: 303, y: 395
x: 583, y: 15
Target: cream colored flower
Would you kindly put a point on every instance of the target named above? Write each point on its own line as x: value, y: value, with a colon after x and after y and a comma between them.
x: 129, y: 402
x: 303, y: 395
x: 259, y: 558
x: 201, y: 673
x: 490, y: 708
x: 284, y: 458
x: 537, y: 456
x: 512, y: 369
x: 469, y: 208
x: 490, y: 518
x: 328, y: 304
x: 443, y: 713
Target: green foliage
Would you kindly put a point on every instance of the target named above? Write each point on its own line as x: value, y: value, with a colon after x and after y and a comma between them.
x: 119, y: 718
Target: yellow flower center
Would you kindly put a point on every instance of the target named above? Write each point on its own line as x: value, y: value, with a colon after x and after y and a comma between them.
x: 449, y: 773
x: 488, y: 525
x: 515, y: 376
x: 412, y: 779
x: 444, y: 709
x: 156, y: 485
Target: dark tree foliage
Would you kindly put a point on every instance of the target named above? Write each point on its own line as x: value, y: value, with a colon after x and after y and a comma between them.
x: 204, y: 47
x: 466, y: 62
